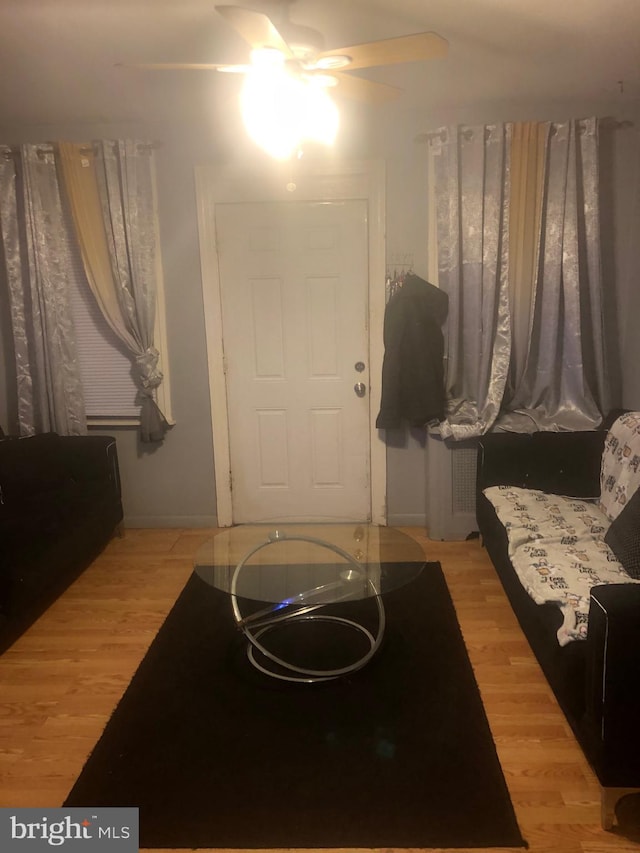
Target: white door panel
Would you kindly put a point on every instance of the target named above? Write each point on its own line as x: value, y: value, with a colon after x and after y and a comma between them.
x: 294, y: 283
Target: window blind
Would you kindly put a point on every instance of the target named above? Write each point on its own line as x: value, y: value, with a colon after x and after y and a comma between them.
x: 109, y: 389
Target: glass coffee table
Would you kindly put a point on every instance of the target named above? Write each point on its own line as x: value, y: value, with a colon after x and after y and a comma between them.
x: 294, y: 590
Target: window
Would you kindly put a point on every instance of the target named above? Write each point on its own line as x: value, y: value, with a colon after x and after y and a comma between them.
x: 110, y: 391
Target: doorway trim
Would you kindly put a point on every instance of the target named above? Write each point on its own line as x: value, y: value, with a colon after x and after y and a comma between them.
x: 313, y: 180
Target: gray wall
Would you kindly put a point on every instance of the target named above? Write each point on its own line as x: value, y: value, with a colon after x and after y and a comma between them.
x: 173, y: 484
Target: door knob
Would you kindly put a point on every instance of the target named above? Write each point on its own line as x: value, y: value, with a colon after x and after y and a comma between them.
x: 360, y: 388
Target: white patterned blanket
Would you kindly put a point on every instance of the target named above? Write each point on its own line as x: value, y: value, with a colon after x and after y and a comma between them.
x: 620, y: 471
x: 557, y: 547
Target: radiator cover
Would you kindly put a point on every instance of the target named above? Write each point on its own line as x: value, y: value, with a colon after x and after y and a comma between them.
x: 451, y: 488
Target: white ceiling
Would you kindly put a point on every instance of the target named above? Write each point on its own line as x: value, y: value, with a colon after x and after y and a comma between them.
x: 58, y: 57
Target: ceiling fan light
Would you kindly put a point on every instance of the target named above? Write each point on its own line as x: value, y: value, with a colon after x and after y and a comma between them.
x: 321, y: 116
x: 324, y: 81
x: 266, y: 57
x: 281, y: 109
x: 333, y: 63
x: 271, y: 107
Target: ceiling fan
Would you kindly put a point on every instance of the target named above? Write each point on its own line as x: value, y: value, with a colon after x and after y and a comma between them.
x: 302, y: 51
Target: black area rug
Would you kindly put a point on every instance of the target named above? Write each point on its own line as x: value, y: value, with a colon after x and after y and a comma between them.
x: 216, y: 755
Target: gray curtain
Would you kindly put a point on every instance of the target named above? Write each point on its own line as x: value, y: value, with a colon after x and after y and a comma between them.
x: 563, y: 383
x: 125, y: 183
x: 559, y: 379
x: 36, y: 253
x: 472, y: 192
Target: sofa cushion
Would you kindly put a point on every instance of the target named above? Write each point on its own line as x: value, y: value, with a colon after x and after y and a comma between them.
x: 30, y: 466
x: 566, y: 463
x: 557, y: 548
x: 623, y: 536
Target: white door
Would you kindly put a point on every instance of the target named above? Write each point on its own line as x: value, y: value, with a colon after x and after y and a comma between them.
x: 294, y: 284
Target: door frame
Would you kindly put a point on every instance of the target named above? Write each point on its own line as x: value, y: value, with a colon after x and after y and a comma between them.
x: 313, y: 180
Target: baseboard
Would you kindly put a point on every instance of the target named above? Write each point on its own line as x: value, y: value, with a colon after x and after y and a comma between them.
x: 186, y: 521
x: 195, y: 521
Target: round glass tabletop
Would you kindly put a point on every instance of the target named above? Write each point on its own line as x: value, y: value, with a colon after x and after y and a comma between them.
x: 315, y: 563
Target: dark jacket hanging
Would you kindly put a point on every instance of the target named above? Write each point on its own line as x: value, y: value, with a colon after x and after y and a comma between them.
x: 413, y: 369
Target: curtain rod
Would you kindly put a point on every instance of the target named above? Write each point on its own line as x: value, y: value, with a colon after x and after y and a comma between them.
x: 86, y: 148
x: 607, y: 121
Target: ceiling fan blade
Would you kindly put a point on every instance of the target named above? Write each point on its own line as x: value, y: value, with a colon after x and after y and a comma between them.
x: 185, y: 66
x: 411, y: 48
x: 255, y: 28
x: 359, y: 89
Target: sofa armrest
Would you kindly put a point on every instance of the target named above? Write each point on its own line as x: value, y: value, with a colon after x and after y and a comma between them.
x: 91, y: 457
x: 613, y: 683
x: 562, y: 463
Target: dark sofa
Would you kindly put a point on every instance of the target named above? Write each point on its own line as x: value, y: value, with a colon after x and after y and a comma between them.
x: 596, y: 681
x: 59, y: 506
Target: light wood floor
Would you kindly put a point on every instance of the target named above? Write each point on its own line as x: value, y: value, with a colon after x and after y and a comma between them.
x: 61, y: 681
